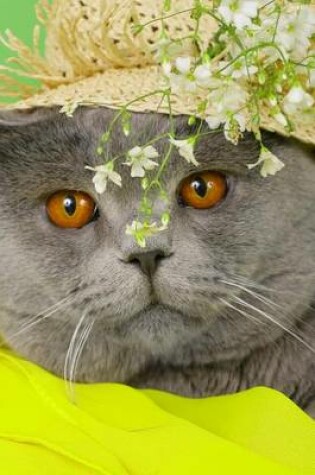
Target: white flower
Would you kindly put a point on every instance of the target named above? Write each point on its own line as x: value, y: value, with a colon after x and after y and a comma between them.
x: 281, y: 119
x: 230, y: 98
x: 238, y: 12
x: 214, y: 121
x: 297, y: 100
x: 167, y: 68
x: 139, y: 160
x: 69, y: 108
x: 186, y: 79
x: 233, y: 127
x: 182, y: 81
x: 140, y: 231
x: 294, y: 31
x: 183, y: 65
x: 103, y: 174
x: 202, y: 75
x: 185, y: 149
x: 271, y: 163
x: 238, y: 69
x: 226, y: 103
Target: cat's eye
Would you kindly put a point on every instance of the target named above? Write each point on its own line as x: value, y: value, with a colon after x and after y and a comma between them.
x: 70, y: 209
x: 203, y: 190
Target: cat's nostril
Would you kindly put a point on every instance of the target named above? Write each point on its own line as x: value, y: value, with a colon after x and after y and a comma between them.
x: 148, y: 261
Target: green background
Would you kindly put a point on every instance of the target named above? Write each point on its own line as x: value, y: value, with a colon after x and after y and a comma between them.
x: 19, y: 17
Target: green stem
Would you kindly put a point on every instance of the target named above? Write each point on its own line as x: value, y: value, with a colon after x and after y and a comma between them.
x: 162, y: 18
x: 276, y: 27
x: 254, y: 48
x: 128, y: 104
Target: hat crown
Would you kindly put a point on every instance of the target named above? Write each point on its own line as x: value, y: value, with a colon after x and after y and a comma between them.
x: 87, y: 37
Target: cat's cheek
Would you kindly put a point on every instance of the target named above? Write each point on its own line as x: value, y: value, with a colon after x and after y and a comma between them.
x: 79, y: 239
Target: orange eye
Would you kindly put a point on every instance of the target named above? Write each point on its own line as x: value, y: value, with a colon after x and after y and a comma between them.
x: 70, y: 209
x: 203, y: 190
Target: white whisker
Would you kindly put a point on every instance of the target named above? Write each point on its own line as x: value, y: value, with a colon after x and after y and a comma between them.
x: 250, y: 284
x: 245, y: 314
x: 76, y: 357
x: 74, y: 352
x: 71, y: 345
x: 254, y: 294
x: 40, y: 317
x: 271, y: 319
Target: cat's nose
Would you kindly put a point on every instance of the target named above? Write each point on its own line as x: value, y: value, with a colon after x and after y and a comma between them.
x: 148, y: 260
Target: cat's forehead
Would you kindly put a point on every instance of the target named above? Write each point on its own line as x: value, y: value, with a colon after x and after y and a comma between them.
x: 79, y: 136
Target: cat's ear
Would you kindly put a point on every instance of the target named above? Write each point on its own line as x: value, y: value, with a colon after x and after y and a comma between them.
x: 20, y: 117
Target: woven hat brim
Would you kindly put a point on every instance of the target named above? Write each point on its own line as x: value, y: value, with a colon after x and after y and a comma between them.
x: 115, y: 88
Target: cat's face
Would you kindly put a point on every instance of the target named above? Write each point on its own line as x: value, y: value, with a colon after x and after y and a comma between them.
x: 60, y: 287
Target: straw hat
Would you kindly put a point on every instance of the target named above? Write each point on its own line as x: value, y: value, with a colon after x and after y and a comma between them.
x: 93, y: 57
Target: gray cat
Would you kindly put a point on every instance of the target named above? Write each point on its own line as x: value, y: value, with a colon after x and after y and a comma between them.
x: 219, y: 302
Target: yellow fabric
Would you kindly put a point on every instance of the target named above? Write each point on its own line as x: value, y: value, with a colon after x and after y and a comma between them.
x: 113, y: 429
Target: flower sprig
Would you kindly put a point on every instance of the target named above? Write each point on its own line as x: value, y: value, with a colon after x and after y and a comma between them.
x: 261, y: 57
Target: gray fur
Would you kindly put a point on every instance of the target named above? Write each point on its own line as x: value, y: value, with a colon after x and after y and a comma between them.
x: 185, y: 329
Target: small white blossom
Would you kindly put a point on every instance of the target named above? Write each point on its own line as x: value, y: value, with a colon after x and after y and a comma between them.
x: 103, y: 174
x: 141, y: 231
x: 239, y: 12
x: 294, y: 31
x: 271, y: 163
x: 183, y: 65
x: 185, y: 149
x: 202, y: 75
x: 186, y: 79
x: 214, y: 121
x: 281, y: 119
x: 297, y: 100
x: 139, y: 160
x: 233, y: 128
x: 230, y: 98
x: 238, y: 69
x: 226, y: 103
x: 69, y: 108
x: 182, y: 81
x: 167, y: 68
x: 244, y: 71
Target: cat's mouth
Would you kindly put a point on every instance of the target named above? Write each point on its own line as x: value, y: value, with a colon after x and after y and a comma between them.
x: 155, y: 319
x: 158, y: 322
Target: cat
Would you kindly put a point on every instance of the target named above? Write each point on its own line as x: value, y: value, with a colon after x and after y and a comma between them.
x: 228, y: 300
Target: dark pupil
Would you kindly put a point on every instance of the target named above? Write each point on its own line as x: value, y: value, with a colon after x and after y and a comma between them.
x: 200, y: 187
x: 70, y: 205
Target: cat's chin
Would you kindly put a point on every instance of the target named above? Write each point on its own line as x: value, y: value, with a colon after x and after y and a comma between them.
x: 153, y: 318
x: 159, y: 323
